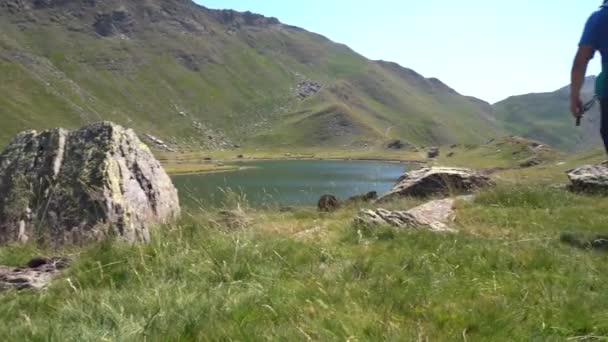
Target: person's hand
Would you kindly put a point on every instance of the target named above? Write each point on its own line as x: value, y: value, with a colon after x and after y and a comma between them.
x: 576, y: 106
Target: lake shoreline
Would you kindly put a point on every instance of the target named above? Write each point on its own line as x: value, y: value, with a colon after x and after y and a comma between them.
x: 397, y: 161
x: 254, y: 159
x: 225, y: 170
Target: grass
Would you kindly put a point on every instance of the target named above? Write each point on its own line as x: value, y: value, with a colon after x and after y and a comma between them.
x: 307, y: 276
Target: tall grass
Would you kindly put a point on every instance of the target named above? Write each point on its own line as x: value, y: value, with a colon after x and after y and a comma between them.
x: 504, y: 277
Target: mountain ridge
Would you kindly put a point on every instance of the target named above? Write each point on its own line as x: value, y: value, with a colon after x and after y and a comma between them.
x: 205, y: 79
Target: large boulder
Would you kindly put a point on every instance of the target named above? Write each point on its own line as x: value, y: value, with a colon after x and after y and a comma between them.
x: 430, y: 181
x: 589, y: 178
x: 101, y: 181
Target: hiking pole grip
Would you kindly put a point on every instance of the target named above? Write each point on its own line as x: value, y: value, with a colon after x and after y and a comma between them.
x: 586, y: 107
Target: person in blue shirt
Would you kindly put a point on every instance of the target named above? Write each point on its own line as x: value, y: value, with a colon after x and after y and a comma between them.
x: 595, y: 39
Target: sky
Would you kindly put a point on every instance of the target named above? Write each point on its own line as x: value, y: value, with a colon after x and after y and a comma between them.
x: 488, y: 49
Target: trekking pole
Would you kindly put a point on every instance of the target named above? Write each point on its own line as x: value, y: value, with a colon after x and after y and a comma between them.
x: 586, y: 107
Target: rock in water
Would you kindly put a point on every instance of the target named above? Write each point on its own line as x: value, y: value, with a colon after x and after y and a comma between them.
x: 100, y: 181
x: 589, y: 178
x: 437, y: 181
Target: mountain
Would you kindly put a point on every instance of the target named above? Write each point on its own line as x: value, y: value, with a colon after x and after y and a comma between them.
x: 198, y: 78
x: 546, y: 117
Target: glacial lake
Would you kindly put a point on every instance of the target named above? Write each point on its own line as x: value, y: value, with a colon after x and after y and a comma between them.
x: 288, y: 182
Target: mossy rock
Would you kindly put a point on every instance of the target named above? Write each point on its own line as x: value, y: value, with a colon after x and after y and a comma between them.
x: 90, y: 184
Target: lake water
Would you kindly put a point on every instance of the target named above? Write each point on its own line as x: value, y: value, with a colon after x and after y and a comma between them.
x: 289, y: 182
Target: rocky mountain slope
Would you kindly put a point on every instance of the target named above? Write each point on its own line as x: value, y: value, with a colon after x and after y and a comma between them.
x: 546, y: 117
x: 188, y: 77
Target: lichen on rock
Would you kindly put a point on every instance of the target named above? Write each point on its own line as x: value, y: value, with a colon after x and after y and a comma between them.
x: 100, y: 181
x: 36, y: 275
x: 433, y: 181
x: 434, y: 216
x: 589, y: 178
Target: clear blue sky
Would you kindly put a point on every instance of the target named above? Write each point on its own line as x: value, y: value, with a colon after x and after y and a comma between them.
x: 488, y: 49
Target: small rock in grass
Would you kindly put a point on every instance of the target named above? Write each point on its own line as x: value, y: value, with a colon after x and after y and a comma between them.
x: 328, y: 203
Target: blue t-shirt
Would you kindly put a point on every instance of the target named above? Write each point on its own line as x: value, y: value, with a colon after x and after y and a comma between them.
x: 596, y: 34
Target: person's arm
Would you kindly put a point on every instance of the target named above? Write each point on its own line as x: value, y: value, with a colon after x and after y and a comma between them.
x: 586, y: 50
x: 579, y: 70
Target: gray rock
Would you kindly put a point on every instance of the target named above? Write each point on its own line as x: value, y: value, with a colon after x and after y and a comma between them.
x: 431, y: 181
x: 307, y: 89
x: 433, y: 152
x: 434, y: 215
x: 381, y: 217
x: 86, y: 185
x: 530, y: 163
x: 328, y: 203
x: 117, y: 22
x: 589, y: 178
x: 159, y: 143
x: 36, y: 275
x: 395, y: 144
x: 586, y: 241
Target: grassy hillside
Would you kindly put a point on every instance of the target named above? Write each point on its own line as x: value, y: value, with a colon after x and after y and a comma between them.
x: 200, y: 78
x: 546, y: 117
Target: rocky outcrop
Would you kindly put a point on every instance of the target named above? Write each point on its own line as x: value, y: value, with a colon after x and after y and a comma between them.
x: 237, y: 19
x: 430, y: 181
x: 36, y: 275
x: 589, y: 178
x: 307, y: 89
x: 63, y: 187
x: 434, y: 215
x: 117, y: 22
